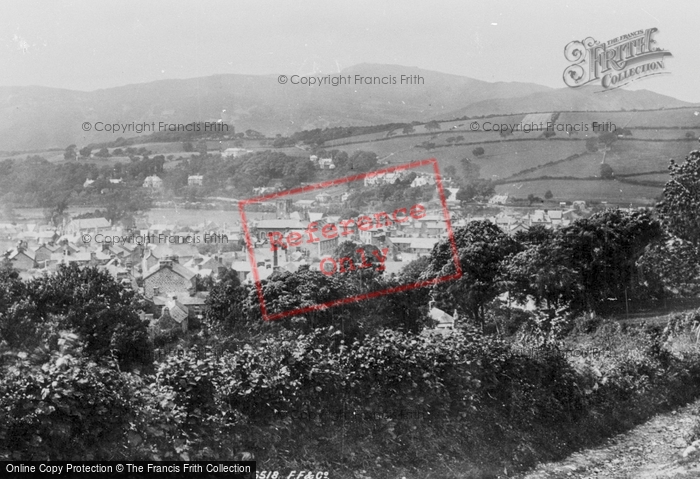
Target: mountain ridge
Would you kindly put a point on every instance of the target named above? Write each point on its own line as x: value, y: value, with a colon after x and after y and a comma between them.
x: 35, y: 117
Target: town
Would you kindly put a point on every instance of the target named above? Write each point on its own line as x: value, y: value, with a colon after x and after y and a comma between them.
x: 167, y: 264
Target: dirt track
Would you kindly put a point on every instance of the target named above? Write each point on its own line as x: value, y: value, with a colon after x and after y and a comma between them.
x: 649, y: 451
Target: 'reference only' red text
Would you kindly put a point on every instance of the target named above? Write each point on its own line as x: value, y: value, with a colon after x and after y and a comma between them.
x: 344, y: 228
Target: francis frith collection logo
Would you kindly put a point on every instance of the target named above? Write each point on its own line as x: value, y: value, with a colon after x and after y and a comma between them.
x: 614, y: 63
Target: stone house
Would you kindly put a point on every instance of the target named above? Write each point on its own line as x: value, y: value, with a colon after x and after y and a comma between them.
x: 168, y: 276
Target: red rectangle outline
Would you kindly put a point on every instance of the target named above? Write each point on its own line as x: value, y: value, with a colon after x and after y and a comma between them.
x: 304, y: 189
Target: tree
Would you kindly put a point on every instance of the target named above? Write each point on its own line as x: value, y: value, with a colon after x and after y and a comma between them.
x: 466, y: 193
x: 603, y: 251
x: 680, y: 208
x: 83, y: 409
x: 280, y: 142
x: 592, y: 144
x: 535, y: 235
x: 481, y: 248
x: 85, y: 152
x: 20, y: 325
x: 362, y: 161
x: 533, y: 199
x: 478, y: 151
x: 408, y: 129
x: 92, y: 304
x: 470, y: 170
x: 103, y: 153
x: 624, y: 132
x: 226, y: 303
x: 365, y: 254
x: 548, y: 195
x: 254, y: 134
x: 70, y: 153
x: 606, y: 172
x: 607, y: 138
x: 450, y: 171
x: 671, y: 267
x: 55, y: 204
x: 284, y: 291
x: 540, y: 272
x: 432, y: 125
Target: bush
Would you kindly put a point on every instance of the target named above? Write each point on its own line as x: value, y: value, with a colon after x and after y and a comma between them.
x: 61, y: 406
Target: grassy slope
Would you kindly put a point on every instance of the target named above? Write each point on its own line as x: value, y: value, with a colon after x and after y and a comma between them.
x: 518, y: 152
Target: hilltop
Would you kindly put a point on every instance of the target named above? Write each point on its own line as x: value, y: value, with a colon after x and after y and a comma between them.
x: 35, y: 117
x: 569, y: 99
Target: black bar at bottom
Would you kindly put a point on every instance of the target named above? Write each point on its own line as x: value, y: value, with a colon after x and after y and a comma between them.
x: 128, y: 470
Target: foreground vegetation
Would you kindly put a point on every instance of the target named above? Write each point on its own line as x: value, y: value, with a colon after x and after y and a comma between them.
x: 359, y: 389
x: 392, y: 404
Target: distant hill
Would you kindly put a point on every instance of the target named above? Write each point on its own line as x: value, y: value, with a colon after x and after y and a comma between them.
x: 569, y: 99
x: 34, y: 117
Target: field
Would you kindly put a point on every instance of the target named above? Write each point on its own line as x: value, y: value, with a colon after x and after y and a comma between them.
x: 587, y: 190
x: 644, y: 154
x: 681, y: 118
x: 630, y: 156
x: 585, y: 166
x: 667, y: 134
x: 501, y: 159
x: 658, y: 177
x: 447, y: 129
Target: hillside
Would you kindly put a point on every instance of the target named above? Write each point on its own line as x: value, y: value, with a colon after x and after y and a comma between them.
x: 569, y: 99
x: 38, y: 117
x: 34, y: 117
x: 527, y: 163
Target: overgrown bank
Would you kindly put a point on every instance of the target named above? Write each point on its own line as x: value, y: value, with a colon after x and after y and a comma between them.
x: 392, y: 405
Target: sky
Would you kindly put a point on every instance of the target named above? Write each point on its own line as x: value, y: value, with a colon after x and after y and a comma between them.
x: 90, y: 45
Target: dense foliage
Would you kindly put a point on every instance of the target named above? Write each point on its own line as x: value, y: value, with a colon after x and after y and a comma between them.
x: 360, y: 385
x: 680, y: 207
x: 88, y: 302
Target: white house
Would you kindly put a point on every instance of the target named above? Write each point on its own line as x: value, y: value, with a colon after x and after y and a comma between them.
x: 235, y: 152
x: 326, y: 164
x: 153, y: 182
x: 382, y: 179
x: 445, y: 322
x: 422, y: 180
x: 498, y: 200
x: 195, y: 180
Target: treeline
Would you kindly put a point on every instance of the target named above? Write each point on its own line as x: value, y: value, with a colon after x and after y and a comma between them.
x: 581, y: 268
x: 535, y: 168
x: 194, y: 132
x: 318, y: 136
x: 261, y: 169
x: 40, y: 183
x: 389, y: 196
